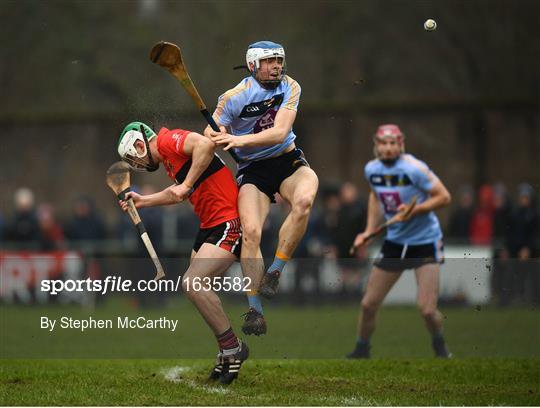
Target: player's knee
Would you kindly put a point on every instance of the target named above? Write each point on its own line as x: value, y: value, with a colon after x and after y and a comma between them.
x: 187, y: 287
x: 369, y: 306
x: 251, y: 234
x: 302, y: 205
x: 427, y: 311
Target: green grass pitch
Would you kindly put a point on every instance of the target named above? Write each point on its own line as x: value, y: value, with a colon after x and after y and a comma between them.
x: 299, y: 362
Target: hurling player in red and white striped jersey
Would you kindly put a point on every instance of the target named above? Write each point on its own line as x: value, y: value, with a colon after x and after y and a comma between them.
x: 202, y: 178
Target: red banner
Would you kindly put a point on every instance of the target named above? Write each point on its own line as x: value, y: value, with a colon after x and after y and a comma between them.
x: 21, y: 273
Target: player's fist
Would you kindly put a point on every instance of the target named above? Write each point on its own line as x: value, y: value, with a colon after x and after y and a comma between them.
x: 211, y: 133
x: 180, y: 192
x: 404, y: 213
x: 361, y: 239
x: 130, y: 194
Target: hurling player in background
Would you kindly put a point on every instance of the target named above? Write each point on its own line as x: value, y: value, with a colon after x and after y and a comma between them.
x: 414, y: 243
x: 256, y: 120
x: 200, y: 176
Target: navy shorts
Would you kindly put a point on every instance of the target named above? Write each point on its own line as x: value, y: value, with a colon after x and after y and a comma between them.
x: 268, y: 174
x: 395, y: 257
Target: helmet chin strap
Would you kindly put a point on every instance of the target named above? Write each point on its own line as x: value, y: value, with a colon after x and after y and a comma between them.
x: 152, y: 165
x: 270, y: 83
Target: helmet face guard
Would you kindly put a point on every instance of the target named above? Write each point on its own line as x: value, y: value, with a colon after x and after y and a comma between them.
x: 262, y: 50
x: 128, y: 152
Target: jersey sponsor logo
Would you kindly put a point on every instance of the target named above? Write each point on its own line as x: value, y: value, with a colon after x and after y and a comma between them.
x: 391, y: 201
x: 265, y: 122
x: 390, y: 180
x: 259, y: 108
x: 176, y: 137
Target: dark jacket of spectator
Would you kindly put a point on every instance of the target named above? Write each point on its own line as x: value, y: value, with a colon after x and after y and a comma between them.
x: 460, y: 218
x: 524, y: 223
x: 85, y: 224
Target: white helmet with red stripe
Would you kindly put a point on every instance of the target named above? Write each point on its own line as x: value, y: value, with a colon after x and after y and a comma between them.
x: 389, y: 131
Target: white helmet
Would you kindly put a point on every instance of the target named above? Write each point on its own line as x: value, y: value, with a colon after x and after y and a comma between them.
x: 126, y: 145
x: 263, y: 50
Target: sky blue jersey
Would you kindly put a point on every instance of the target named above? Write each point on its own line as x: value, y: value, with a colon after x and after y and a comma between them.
x: 398, y: 184
x: 250, y: 108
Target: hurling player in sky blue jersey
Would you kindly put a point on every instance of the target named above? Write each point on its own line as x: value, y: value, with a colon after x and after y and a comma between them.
x: 395, y: 177
x: 256, y: 119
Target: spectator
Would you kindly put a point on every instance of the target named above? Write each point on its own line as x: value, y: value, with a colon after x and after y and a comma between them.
x: 329, y: 219
x: 351, y: 219
x: 481, y: 230
x: 522, y: 244
x: 85, y: 224
x: 52, y: 235
x: 25, y: 226
x: 502, y: 215
x: 460, y: 219
x: 501, y: 278
x: 524, y: 224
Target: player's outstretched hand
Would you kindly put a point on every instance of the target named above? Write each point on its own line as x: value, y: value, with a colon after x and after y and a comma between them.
x: 134, y: 196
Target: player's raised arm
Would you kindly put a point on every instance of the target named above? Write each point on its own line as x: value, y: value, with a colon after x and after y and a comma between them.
x: 201, y: 150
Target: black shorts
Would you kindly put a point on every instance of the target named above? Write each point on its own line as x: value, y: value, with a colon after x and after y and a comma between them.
x: 395, y: 257
x: 227, y: 235
x: 268, y: 174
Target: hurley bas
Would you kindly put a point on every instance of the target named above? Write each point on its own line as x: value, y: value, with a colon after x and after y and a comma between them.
x: 122, y: 322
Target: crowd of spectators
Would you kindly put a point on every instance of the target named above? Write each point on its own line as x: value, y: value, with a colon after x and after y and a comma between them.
x: 485, y: 217
x: 511, y: 228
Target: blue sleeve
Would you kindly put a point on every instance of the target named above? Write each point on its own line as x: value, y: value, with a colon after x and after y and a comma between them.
x: 292, y: 96
x: 423, y: 178
x: 225, y: 112
x: 367, y: 172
